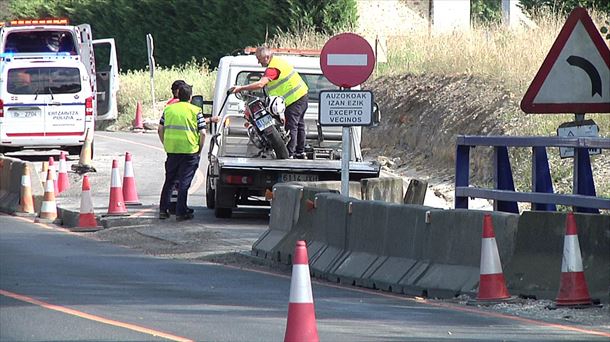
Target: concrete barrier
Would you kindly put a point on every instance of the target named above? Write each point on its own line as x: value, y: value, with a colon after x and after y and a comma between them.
x: 535, y: 268
x: 453, y: 248
x: 302, y: 229
x: 328, y: 234
x: 416, y: 192
x: 283, y: 216
x: 11, y: 170
x: 405, y: 230
x: 387, y: 189
x: 366, y: 222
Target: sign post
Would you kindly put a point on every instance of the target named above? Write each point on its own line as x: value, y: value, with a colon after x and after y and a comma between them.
x: 347, y: 60
x: 150, y: 47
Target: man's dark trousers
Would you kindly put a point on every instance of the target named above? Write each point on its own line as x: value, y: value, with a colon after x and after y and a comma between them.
x: 181, y: 168
x: 295, y: 124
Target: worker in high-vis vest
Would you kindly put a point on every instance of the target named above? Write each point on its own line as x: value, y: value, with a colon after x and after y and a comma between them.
x: 281, y: 79
x: 182, y: 132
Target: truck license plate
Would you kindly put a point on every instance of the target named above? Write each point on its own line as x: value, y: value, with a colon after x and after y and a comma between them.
x: 297, y: 177
x: 264, y: 122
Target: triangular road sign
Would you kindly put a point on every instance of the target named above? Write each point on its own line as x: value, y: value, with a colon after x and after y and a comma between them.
x: 575, y: 75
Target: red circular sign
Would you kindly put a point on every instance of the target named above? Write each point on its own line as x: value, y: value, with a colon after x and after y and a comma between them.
x: 347, y: 60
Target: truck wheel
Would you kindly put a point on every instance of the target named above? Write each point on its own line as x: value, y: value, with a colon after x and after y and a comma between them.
x: 210, y: 194
x: 274, y: 137
x: 223, y: 212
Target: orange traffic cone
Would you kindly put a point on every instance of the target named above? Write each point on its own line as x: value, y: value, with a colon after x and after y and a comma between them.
x: 492, y: 285
x: 116, y: 205
x: 26, y: 200
x: 130, y: 194
x: 137, y: 121
x: 573, y: 290
x: 86, y: 218
x: 86, y: 153
x: 48, y: 208
x: 301, y: 325
x: 63, y: 183
x: 54, y: 173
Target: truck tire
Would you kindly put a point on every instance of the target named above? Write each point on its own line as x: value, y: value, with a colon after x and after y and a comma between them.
x: 274, y: 137
x: 223, y: 212
x: 210, y: 194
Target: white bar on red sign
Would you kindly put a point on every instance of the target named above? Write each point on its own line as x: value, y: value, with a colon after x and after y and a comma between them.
x: 346, y: 59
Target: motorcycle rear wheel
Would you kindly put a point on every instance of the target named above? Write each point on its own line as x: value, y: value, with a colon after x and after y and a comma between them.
x: 275, y: 139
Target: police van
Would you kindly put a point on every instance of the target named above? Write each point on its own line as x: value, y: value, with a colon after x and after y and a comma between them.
x: 45, y: 101
x: 57, y: 35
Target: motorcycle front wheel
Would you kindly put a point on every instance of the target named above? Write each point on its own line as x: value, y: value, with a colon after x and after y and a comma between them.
x: 275, y: 139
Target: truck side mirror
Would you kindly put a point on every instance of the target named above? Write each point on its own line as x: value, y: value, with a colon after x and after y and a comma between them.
x: 198, y: 101
x: 376, y: 114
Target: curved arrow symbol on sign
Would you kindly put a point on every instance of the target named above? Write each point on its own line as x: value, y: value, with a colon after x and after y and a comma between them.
x: 589, y: 68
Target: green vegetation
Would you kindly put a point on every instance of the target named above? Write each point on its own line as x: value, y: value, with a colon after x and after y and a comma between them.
x: 185, y: 29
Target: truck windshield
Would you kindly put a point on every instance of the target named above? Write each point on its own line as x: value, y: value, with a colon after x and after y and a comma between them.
x: 47, y: 80
x: 315, y: 83
x: 40, y: 41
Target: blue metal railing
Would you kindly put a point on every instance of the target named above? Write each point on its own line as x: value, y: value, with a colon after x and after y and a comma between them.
x: 542, y: 196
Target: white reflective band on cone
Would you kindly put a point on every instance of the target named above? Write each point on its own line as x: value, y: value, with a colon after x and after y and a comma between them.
x: 49, y: 186
x: 572, y: 259
x: 116, y: 179
x: 490, y: 258
x: 48, y: 207
x: 300, y: 286
x: 128, y: 169
x: 25, y: 181
x: 86, y: 204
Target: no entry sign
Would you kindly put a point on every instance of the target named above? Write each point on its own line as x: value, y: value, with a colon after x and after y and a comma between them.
x: 347, y: 60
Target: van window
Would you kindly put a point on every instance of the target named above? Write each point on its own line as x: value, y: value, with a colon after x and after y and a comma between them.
x: 315, y: 83
x: 43, y: 80
x: 40, y: 41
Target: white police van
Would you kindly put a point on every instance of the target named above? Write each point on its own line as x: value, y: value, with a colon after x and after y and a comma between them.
x: 46, y: 101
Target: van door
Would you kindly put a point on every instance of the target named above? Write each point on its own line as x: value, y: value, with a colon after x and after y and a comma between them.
x: 23, y: 113
x: 107, y: 78
x: 65, y: 101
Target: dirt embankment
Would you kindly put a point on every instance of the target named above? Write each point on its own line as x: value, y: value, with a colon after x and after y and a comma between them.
x: 423, y: 114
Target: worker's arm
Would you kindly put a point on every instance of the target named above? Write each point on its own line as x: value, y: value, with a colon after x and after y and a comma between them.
x: 161, y: 128
x: 160, y: 132
x: 252, y: 86
x: 201, y: 140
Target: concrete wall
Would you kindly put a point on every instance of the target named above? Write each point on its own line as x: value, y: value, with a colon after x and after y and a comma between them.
x: 420, y: 250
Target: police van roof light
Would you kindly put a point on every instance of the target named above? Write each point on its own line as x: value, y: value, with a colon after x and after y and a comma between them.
x: 26, y: 22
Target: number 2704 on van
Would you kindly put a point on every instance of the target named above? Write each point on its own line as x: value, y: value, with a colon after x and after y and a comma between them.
x: 23, y: 114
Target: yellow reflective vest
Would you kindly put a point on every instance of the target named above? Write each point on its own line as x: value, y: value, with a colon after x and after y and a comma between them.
x: 180, y: 133
x: 289, y: 84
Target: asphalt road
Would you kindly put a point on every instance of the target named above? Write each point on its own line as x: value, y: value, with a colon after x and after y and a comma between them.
x: 56, y: 285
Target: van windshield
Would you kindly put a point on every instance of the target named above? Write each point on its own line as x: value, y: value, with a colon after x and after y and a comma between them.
x: 40, y: 41
x: 315, y: 83
x: 43, y: 80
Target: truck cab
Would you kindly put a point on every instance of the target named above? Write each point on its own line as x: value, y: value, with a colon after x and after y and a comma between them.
x: 27, y: 37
